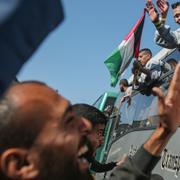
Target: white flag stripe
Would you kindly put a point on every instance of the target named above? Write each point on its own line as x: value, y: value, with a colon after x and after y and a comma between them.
x: 127, y: 52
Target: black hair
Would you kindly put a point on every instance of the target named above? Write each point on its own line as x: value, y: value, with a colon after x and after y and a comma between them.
x: 94, y: 115
x: 175, y: 5
x: 146, y: 50
x: 124, y: 82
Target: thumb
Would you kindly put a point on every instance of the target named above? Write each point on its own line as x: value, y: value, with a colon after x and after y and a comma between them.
x: 161, y: 98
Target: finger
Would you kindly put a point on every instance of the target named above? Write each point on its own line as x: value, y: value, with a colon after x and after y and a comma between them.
x: 161, y: 1
x: 149, y: 6
x: 175, y: 82
x: 150, y: 10
x: 158, y: 92
x: 124, y: 158
x: 160, y: 5
x: 174, y: 88
x: 161, y: 98
x: 146, y: 9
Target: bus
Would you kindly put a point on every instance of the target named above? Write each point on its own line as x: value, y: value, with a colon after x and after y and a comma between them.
x: 133, y: 123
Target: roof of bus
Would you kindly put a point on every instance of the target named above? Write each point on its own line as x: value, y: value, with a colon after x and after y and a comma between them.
x: 103, y: 98
x: 162, y: 54
x: 110, y: 93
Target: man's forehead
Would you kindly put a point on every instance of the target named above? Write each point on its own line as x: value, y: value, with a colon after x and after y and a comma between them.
x: 34, y: 89
x: 144, y: 52
x: 29, y: 92
x: 141, y: 53
x: 176, y: 10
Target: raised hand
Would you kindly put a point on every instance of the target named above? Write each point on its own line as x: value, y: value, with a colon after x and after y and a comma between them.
x: 150, y: 8
x: 169, y: 106
x: 169, y: 114
x: 163, y: 7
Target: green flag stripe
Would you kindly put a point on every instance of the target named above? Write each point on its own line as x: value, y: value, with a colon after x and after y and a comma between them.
x: 113, y: 64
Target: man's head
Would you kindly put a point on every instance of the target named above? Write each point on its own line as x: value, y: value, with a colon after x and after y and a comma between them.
x: 144, y: 56
x: 176, y: 12
x: 96, y: 118
x: 41, y: 137
x: 123, y: 85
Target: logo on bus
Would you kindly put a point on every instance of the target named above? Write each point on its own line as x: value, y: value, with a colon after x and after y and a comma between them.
x: 170, y: 162
x: 132, y: 151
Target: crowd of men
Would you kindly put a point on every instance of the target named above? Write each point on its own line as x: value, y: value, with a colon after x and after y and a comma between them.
x: 146, y: 71
x: 43, y: 136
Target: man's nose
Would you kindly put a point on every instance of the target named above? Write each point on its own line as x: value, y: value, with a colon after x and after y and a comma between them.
x: 101, y: 141
x: 85, y: 126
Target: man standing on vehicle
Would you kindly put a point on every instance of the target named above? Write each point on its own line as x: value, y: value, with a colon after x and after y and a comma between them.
x: 164, y: 36
x: 145, y: 71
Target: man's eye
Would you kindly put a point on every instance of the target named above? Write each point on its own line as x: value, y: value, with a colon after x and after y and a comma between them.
x: 69, y: 119
x: 100, y: 133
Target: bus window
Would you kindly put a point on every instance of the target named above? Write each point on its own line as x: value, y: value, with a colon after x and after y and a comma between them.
x: 98, y: 102
x: 110, y: 102
x: 123, y: 115
x: 142, y: 111
x: 109, y: 106
x: 174, y: 55
x: 106, y: 99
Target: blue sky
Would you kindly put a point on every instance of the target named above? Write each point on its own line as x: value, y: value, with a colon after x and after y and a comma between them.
x: 71, y: 59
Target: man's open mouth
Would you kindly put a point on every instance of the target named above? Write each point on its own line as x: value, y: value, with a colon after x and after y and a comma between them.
x: 85, y: 154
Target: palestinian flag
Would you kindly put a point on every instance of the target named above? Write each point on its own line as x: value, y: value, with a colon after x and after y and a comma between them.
x: 123, y: 54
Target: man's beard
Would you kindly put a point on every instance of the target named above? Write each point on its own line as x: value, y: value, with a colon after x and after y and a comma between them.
x: 55, y: 165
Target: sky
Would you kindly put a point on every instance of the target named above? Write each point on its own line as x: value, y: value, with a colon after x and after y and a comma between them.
x: 71, y: 59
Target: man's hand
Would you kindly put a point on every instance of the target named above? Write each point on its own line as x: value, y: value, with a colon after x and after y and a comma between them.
x: 137, y: 65
x: 153, y: 14
x: 163, y: 7
x: 122, y: 160
x: 169, y: 106
x: 169, y: 113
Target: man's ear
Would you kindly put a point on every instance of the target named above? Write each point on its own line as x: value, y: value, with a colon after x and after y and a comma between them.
x: 16, y: 164
x: 149, y: 56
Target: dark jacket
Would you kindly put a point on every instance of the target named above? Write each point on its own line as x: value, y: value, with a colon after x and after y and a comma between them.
x: 22, y: 31
x: 137, y: 168
x: 98, y: 167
